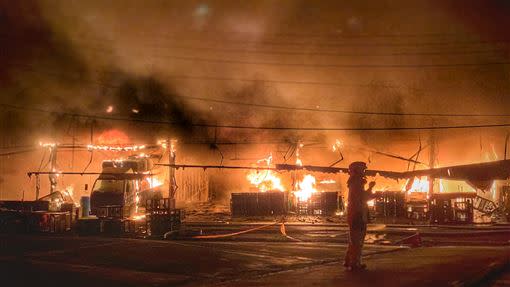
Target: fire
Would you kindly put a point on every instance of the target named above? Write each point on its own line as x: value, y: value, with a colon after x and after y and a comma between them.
x: 113, y: 137
x: 48, y: 144
x: 306, y: 188
x: 419, y: 185
x: 298, y: 159
x: 265, y: 180
x: 338, y: 145
x: 165, y: 143
x: 116, y: 148
x: 154, y: 182
x: 138, y: 217
x: 69, y: 190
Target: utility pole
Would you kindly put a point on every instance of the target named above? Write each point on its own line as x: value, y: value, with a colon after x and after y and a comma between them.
x: 37, y: 186
x: 53, y: 168
x: 432, y: 160
x: 169, y: 144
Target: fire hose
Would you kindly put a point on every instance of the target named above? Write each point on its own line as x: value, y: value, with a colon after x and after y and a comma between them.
x: 233, y: 234
x: 282, y: 231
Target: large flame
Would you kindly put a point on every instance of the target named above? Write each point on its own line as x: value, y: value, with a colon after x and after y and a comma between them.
x: 265, y: 180
x: 306, y: 188
x: 419, y: 185
x: 154, y: 182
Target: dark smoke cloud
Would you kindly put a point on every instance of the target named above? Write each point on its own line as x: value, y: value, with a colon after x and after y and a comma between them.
x: 146, y: 98
x: 31, y: 45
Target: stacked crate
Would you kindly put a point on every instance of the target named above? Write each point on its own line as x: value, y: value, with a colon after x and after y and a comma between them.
x: 320, y: 203
x: 389, y: 204
x: 258, y: 203
x: 162, y: 217
x: 50, y: 222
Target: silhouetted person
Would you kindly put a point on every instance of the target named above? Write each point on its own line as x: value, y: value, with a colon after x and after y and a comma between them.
x: 357, y: 214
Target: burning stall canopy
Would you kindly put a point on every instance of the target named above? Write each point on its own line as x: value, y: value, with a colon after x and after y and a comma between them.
x: 480, y: 175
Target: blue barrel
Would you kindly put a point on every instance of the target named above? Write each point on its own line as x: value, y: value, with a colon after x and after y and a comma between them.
x: 85, y: 206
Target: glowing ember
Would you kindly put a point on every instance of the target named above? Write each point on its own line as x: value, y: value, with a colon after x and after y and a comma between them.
x: 327, y: 181
x: 265, y: 180
x: 306, y: 188
x: 109, y: 109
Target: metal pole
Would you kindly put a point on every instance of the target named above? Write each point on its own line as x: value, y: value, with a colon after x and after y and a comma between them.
x: 37, y: 186
x: 429, y: 200
x: 171, y: 170
x: 53, y: 160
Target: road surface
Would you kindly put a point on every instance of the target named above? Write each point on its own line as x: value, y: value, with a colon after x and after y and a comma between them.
x: 43, y: 260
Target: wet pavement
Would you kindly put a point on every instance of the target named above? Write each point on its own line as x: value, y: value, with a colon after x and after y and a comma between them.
x: 383, y: 234
x: 28, y: 260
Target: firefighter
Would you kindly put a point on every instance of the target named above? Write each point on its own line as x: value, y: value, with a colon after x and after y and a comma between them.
x: 357, y: 214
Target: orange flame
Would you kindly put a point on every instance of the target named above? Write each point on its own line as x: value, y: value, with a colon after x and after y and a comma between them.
x: 419, y: 185
x: 337, y: 145
x: 306, y: 188
x: 298, y: 159
x: 154, y: 182
x: 265, y: 180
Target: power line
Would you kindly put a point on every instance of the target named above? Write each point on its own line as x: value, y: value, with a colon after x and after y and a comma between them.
x: 358, y: 45
x: 286, y: 82
x: 339, y: 111
x: 329, y: 65
x: 342, y: 111
x: 336, y: 54
x: 331, y: 110
x: 344, y: 66
x: 234, y: 79
x: 307, y: 53
x: 203, y: 125
x: 330, y: 34
x: 333, y: 40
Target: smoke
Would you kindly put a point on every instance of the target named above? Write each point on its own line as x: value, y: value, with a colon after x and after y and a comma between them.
x: 29, y: 44
x: 144, y: 60
x: 146, y: 98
